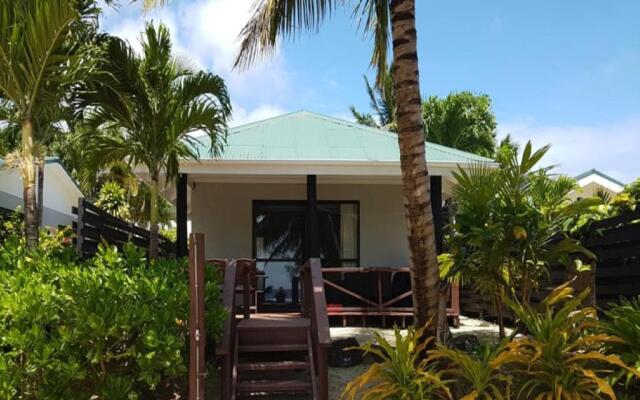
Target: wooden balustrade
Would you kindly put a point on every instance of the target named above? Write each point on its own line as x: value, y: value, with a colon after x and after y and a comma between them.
x: 314, y: 307
x: 225, y: 348
x: 379, y: 305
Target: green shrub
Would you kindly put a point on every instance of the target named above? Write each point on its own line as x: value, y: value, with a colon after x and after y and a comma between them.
x: 113, y: 327
x: 401, y: 373
x: 623, y: 321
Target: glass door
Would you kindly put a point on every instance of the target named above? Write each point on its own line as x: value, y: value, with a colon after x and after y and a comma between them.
x: 279, y: 242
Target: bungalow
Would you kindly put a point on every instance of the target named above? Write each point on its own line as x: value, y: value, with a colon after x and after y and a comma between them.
x: 278, y: 178
x: 593, y: 182
x: 61, y: 192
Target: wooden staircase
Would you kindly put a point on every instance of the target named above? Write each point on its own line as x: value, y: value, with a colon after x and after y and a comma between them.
x: 276, y: 354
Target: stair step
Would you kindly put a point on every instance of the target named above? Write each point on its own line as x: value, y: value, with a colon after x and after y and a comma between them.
x: 274, y: 366
x: 270, y: 348
x: 265, y: 386
x: 262, y: 324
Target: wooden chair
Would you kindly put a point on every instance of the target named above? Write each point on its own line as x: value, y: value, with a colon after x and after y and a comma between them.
x: 246, y: 281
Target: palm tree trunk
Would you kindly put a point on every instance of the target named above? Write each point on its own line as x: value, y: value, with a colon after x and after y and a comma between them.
x: 28, y: 185
x: 40, y: 205
x: 444, y: 333
x: 415, y: 177
x: 153, y: 219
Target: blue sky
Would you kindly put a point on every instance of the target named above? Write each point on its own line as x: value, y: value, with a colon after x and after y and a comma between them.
x: 559, y: 72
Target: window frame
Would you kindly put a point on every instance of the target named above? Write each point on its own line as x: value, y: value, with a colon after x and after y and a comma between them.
x: 302, y: 203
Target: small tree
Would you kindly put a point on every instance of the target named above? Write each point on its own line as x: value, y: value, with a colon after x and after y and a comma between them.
x: 113, y: 199
x: 512, y: 225
x: 461, y: 120
x: 148, y: 110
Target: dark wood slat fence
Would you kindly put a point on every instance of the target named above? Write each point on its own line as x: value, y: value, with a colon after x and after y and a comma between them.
x: 616, y: 243
x: 5, y: 212
x: 95, y: 226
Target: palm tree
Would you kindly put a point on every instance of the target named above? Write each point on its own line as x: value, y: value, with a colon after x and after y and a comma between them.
x: 382, y: 101
x: 148, y: 111
x: 39, y: 59
x: 388, y: 21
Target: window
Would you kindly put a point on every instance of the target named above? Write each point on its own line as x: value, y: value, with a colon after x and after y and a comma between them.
x: 279, y: 241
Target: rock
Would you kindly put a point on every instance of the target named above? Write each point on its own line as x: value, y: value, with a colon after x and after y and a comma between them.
x: 340, y: 357
x: 467, y: 343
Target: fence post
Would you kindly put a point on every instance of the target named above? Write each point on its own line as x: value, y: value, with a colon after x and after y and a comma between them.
x: 197, y: 338
x: 80, y: 226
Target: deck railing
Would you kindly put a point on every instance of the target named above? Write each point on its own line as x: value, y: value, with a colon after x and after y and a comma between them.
x: 225, y: 348
x: 379, y: 305
x: 314, y: 306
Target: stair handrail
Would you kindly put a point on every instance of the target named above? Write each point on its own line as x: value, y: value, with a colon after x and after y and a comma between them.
x: 315, y: 308
x: 225, y: 347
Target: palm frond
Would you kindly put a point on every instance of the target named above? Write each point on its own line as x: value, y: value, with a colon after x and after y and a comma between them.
x: 374, y: 20
x: 273, y: 19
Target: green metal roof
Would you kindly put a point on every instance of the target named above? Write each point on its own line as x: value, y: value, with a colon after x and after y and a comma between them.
x: 594, y: 171
x: 306, y: 136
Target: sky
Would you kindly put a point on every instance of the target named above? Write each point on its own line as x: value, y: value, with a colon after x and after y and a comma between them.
x: 565, y: 73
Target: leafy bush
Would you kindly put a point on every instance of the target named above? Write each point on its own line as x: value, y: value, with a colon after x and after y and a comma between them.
x: 563, y: 356
x: 623, y: 320
x: 112, y: 198
x: 401, y: 374
x: 113, y: 327
x: 479, y: 375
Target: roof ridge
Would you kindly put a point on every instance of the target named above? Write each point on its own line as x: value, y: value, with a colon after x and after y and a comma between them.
x: 594, y: 171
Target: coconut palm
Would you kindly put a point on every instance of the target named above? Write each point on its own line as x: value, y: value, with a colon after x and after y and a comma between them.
x: 382, y: 101
x: 388, y: 22
x: 149, y: 110
x: 39, y: 58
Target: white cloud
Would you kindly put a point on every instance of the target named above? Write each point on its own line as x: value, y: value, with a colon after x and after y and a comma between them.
x: 241, y: 116
x: 612, y: 148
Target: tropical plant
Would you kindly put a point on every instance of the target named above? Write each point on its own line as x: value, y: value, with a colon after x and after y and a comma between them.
x: 506, y: 150
x: 512, y: 223
x: 563, y: 355
x: 382, y: 101
x: 623, y: 321
x: 390, y: 23
x: 462, y: 121
x: 402, y: 372
x: 40, y: 57
x: 149, y: 110
x: 480, y: 375
x: 113, y: 327
x: 113, y: 199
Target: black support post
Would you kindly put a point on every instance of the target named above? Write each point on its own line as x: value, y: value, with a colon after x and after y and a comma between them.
x: 436, y: 204
x: 313, y: 242
x: 181, y: 216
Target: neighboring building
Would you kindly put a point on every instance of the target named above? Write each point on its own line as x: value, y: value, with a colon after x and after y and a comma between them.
x: 275, y: 176
x: 593, y: 182
x: 61, y: 192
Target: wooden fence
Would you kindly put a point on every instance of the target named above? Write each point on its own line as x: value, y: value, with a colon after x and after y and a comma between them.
x: 615, y: 242
x: 95, y: 226
x: 5, y: 212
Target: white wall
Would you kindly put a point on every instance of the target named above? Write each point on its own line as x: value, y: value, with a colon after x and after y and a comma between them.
x: 60, y: 193
x: 223, y: 212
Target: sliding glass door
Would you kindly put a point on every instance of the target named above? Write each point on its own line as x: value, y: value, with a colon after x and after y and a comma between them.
x: 279, y: 241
